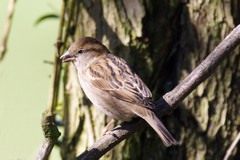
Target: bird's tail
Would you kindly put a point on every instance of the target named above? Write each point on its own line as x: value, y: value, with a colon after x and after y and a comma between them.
x: 150, y: 117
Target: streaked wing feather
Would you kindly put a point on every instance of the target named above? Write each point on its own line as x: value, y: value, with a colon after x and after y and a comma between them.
x: 113, y: 75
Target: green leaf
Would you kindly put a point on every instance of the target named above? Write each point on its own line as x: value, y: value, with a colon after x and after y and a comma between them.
x: 45, y: 17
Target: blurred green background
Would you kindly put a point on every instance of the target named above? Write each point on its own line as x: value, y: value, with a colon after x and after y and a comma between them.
x: 25, y: 78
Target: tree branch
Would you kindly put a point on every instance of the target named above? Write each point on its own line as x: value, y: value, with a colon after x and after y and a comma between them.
x: 203, y: 71
x: 234, y: 143
x: 3, y: 44
x: 51, y: 134
x: 49, y: 141
x: 170, y: 100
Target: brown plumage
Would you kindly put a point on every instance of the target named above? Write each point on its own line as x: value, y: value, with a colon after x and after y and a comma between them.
x: 112, y: 86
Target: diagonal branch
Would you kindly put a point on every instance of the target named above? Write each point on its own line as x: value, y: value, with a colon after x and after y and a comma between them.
x: 203, y: 70
x: 230, y: 149
x: 170, y: 100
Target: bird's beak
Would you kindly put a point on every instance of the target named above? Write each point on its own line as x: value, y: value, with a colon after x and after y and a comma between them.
x: 67, y: 57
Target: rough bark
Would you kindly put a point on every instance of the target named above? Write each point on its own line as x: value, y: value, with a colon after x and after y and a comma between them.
x: 208, y: 116
x: 163, y: 41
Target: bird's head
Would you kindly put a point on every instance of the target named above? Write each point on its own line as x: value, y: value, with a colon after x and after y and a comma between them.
x: 84, y: 49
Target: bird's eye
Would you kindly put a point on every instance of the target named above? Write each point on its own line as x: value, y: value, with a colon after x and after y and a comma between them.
x: 80, y: 51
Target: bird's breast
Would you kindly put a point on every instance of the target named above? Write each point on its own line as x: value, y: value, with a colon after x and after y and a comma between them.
x: 111, y: 106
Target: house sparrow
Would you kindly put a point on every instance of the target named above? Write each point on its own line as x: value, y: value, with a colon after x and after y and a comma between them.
x: 112, y: 86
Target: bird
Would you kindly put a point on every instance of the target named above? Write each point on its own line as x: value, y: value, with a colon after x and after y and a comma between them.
x: 112, y: 86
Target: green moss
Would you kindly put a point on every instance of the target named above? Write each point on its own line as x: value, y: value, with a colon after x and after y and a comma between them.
x: 49, y: 128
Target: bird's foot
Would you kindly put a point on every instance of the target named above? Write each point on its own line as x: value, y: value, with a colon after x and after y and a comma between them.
x: 107, y: 129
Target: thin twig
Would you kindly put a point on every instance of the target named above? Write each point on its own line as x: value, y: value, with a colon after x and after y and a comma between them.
x: 170, y: 100
x: 49, y: 143
x: 53, y: 98
x: 230, y: 149
x: 8, y: 24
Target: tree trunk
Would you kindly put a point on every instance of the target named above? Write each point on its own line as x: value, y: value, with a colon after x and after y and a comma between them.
x: 163, y: 41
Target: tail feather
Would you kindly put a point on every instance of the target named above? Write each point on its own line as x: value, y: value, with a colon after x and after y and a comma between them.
x: 158, y: 126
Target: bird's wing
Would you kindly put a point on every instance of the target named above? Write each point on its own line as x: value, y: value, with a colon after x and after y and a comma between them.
x: 112, y: 74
